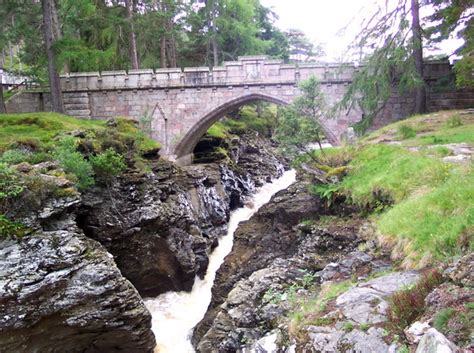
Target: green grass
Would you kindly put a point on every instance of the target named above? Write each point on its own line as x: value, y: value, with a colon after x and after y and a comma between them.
x: 446, y: 135
x: 393, y: 170
x: 39, y: 127
x: 218, y: 130
x: 435, y: 128
x: 38, y: 130
x: 422, y: 206
x: 433, y: 222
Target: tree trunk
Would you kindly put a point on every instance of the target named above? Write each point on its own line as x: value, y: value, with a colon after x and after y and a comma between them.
x: 132, y: 46
x: 215, y: 53
x: 420, y: 92
x: 171, y: 51
x: 10, y: 51
x: 163, y: 52
x: 163, y: 38
x: 49, y: 10
x: 3, y: 110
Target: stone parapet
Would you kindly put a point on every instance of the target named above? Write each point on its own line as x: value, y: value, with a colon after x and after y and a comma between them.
x: 247, y: 70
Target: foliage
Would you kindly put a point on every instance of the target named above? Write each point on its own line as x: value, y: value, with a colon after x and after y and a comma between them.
x: 95, y: 35
x: 73, y: 162
x: 107, y: 164
x: 10, y: 185
x: 301, y: 49
x: 408, y: 304
x: 406, y: 132
x: 386, y: 46
x: 454, y: 121
x: 395, y: 184
x: 449, y: 19
x: 11, y: 229
x: 327, y: 192
x: 15, y: 156
x: 300, y: 123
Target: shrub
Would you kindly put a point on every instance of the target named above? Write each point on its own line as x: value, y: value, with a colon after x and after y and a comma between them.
x: 407, y: 305
x: 108, y: 164
x: 15, y: 156
x: 441, y: 319
x: 74, y: 163
x: 11, y: 229
x: 10, y: 185
x: 406, y: 132
x: 454, y: 121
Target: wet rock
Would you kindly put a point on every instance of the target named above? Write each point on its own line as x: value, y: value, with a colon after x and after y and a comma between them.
x: 162, y: 226
x: 60, y: 291
x: 271, y: 263
x: 434, y: 341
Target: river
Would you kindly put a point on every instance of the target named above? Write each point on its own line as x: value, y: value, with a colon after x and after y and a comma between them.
x: 175, y: 314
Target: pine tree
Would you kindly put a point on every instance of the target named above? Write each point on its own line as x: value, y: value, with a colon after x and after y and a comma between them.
x: 51, y: 35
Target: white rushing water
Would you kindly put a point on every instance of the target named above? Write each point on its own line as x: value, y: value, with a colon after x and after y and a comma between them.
x: 174, y: 314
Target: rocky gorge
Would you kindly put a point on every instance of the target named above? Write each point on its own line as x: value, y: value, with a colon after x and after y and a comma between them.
x: 79, y: 274
x: 307, y: 272
x: 305, y: 278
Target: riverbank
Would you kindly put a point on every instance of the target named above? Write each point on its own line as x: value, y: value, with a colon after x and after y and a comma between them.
x: 315, y: 271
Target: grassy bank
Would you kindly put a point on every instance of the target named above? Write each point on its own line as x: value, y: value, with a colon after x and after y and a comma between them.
x: 84, y: 152
x: 421, y: 204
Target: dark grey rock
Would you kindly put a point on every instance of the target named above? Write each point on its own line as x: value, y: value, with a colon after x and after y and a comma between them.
x: 62, y: 292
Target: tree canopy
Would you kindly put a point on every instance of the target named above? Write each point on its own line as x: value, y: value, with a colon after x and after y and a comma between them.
x: 390, y: 48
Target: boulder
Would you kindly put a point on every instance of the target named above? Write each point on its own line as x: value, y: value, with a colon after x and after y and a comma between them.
x: 62, y: 292
x: 434, y: 341
x: 461, y: 271
x: 415, y: 331
x: 367, y: 303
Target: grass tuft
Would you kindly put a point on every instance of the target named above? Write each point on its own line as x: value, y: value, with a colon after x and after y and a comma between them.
x: 407, y: 305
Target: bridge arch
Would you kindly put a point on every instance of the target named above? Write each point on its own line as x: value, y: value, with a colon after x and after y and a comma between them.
x: 184, y: 149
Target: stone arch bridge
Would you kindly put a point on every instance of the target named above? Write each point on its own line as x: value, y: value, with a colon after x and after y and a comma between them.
x: 183, y: 104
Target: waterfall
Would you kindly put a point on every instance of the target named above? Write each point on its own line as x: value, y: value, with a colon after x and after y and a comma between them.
x: 175, y: 314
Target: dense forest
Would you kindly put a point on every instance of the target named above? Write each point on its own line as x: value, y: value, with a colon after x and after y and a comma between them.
x: 41, y: 38
x: 92, y: 35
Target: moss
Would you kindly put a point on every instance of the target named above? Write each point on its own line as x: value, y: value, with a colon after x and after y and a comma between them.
x: 348, y: 326
x: 36, y: 129
x: 65, y: 192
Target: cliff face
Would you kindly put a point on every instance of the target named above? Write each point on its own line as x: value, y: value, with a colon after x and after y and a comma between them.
x: 161, y: 226
x: 74, y: 282
x: 269, y: 253
x: 61, y: 291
